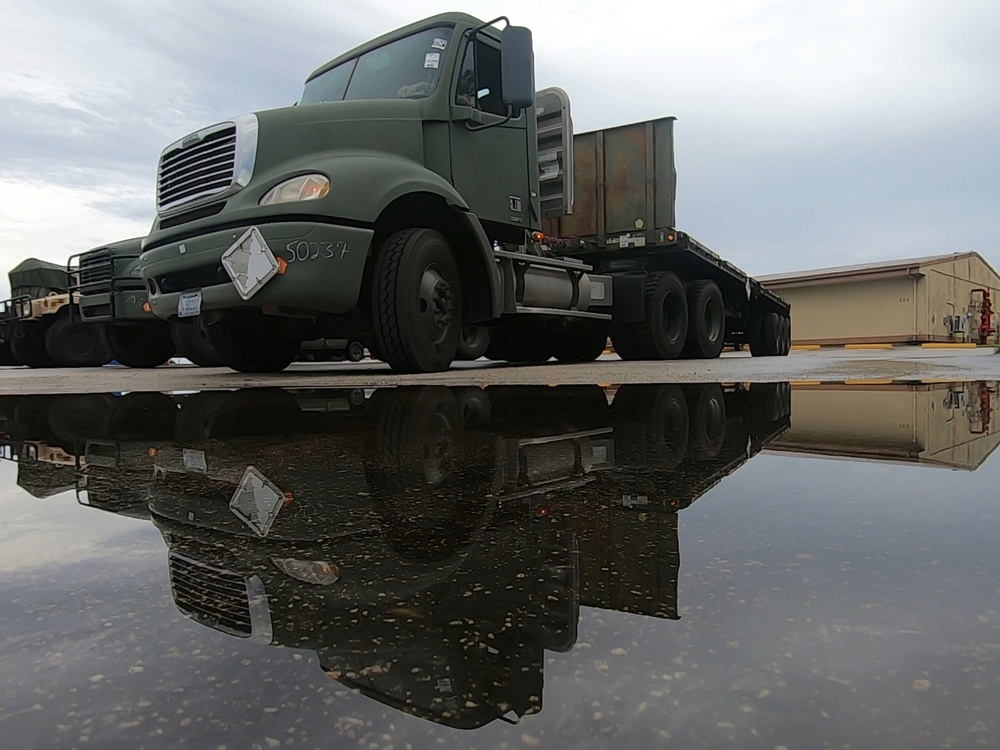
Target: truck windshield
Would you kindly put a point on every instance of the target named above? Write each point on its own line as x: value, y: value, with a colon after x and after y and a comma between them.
x: 408, y: 68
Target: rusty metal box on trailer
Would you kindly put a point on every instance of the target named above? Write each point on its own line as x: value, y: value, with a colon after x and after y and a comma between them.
x: 624, y: 180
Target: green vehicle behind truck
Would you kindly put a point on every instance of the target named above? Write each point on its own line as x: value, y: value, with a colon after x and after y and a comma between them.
x: 113, y: 295
x: 40, y: 326
x: 419, y: 197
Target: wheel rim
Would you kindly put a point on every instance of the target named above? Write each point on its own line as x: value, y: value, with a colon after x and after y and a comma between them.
x: 713, y: 320
x: 472, y: 336
x: 435, y: 304
x: 671, y: 315
x: 80, y: 343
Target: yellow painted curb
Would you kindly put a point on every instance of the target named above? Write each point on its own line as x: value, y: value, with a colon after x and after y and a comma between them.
x: 805, y: 347
x: 869, y: 381
x: 933, y: 345
x: 800, y: 383
x: 868, y: 346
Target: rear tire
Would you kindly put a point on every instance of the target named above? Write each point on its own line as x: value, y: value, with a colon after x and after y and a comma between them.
x: 661, y: 335
x: 706, y: 321
x: 707, y: 407
x: 248, y: 341
x: 651, y: 426
x: 417, y: 301
x: 29, y: 349
x: 623, y: 341
x: 519, y: 344
x: 6, y: 355
x: 580, y: 342
x: 191, y: 341
x: 141, y: 345
x: 73, y: 343
x: 766, y: 335
x: 473, y: 342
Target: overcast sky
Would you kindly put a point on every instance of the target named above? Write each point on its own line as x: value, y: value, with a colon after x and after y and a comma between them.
x: 809, y: 134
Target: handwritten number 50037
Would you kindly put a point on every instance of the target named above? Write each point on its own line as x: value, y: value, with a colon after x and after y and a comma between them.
x: 301, y: 251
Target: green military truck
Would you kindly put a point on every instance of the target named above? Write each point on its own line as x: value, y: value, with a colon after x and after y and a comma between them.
x: 40, y: 325
x: 113, y: 295
x: 421, y: 194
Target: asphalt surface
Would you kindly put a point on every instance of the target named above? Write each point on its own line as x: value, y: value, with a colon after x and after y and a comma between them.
x: 902, y: 364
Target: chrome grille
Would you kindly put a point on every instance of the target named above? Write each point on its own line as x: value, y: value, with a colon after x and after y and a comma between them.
x: 200, y: 170
x: 212, y: 596
x: 96, y: 268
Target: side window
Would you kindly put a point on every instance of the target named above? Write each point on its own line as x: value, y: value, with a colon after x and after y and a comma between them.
x: 479, y: 79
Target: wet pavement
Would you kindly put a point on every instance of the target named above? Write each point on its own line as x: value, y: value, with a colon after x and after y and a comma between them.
x: 701, y: 565
x: 902, y: 364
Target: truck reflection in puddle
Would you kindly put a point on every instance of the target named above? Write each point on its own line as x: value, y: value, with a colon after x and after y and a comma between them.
x: 429, y: 544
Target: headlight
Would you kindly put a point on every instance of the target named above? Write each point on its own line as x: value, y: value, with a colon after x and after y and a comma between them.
x: 307, y: 187
x: 316, y: 572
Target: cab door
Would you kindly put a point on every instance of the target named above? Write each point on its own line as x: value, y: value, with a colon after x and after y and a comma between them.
x: 489, y: 166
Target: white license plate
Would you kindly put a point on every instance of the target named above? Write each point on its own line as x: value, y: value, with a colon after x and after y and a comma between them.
x: 250, y: 263
x: 189, y: 305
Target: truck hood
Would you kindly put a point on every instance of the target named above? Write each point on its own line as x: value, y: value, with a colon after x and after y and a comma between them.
x: 293, y: 137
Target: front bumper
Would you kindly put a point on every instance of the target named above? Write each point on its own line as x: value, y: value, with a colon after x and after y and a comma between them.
x: 110, y: 307
x: 325, y: 265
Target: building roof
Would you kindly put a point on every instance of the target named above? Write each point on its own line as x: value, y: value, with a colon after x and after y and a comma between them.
x: 903, y: 266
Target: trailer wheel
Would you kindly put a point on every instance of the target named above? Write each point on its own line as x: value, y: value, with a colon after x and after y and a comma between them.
x: 580, y: 342
x: 73, y: 343
x: 29, y: 349
x: 651, y: 426
x: 191, y: 341
x: 707, y: 403
x: 663, y: 332
x: 417, y: 302
x: 141, y: 344
x: 786, y: 336
x: 248, y: 341
x: 473, y: 342
x: 706, y: 321
x: 772, y: 334
x: 765, y: 335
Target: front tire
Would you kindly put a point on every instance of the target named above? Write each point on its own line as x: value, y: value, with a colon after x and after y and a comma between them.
x: 73, y: 343
x: 142, y: 345
x: 417, y: 302
x: 192, y: 342
x: 248, y: 341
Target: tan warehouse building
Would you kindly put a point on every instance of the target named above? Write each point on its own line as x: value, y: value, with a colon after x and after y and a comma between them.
x: 938, y: 298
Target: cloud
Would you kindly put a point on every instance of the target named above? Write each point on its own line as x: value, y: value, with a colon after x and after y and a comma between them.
x: 804, y: 131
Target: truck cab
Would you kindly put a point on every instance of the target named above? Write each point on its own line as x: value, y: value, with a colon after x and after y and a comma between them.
x: 365, y: 209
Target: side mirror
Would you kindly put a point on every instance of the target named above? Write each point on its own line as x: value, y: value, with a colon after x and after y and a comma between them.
x: 517, y: 67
